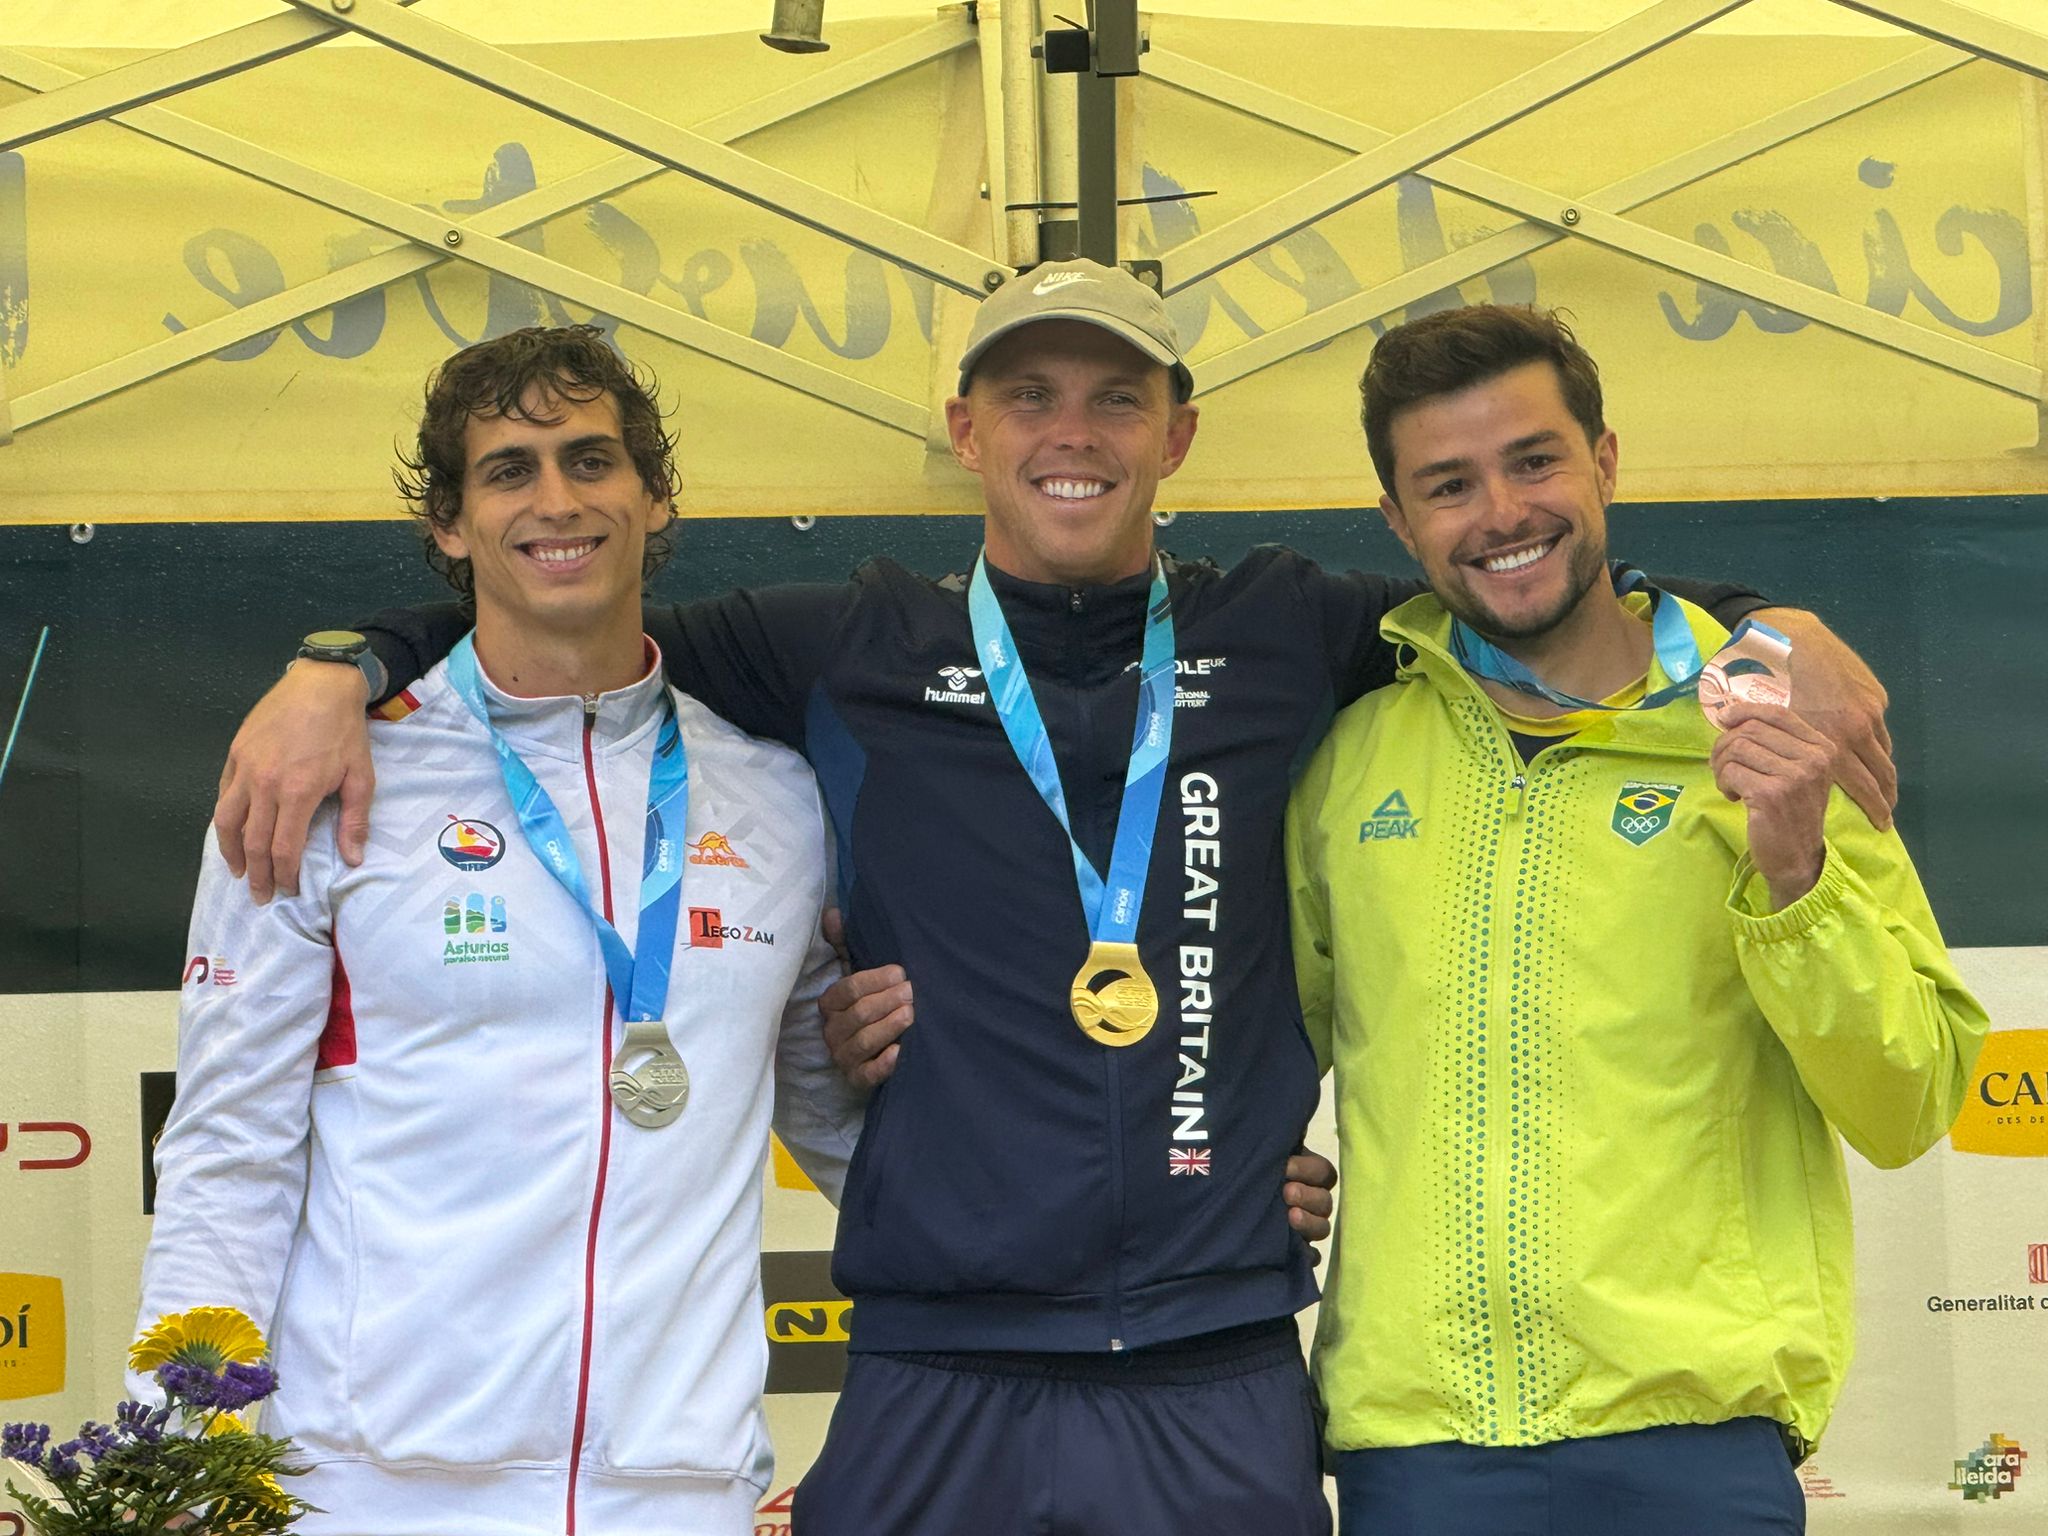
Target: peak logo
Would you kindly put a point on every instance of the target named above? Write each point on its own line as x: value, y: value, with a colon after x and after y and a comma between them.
x: 959, y: 687
x: 2005, y: 1111
x: 31, y: 1335
x: 1392, y: 819
x: 716, y: 848
x: 1991, y: 1471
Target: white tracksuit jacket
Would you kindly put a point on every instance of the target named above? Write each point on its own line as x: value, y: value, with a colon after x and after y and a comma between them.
x: 496, y: 1305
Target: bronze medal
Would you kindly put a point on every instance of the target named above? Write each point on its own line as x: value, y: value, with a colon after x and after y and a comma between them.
x: 1753, y: 669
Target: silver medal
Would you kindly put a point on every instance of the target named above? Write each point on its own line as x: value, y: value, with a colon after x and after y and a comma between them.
x: 653, y: 1093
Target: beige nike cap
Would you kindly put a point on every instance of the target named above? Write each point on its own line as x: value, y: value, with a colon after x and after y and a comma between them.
x: 1084, y: 290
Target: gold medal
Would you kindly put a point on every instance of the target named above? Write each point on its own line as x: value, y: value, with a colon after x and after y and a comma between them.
x: 652, y: 1093
x: 1113, y: 1000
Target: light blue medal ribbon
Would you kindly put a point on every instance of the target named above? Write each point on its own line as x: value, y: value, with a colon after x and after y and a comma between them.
x: 1123, y: 1008
x: 1678, y: 653
x: 654, y: 1094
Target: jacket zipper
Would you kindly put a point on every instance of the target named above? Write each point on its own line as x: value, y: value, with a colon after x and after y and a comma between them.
x: 604, y: 1140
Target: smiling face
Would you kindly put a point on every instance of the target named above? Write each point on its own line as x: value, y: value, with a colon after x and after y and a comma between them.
x: 1071, y: 430
x: 1502, y: 500
x: 554, y: 518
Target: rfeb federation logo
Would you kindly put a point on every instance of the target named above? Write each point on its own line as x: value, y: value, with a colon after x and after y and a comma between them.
x: 31, y: 1335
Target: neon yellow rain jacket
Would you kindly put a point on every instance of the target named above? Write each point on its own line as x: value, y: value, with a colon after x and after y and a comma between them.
x: 1588, y: 1083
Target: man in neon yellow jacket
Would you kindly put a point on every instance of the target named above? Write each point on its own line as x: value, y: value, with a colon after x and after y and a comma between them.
x: 1600, y: 983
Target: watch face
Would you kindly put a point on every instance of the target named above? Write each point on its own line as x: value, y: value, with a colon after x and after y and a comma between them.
x: 334, y: 640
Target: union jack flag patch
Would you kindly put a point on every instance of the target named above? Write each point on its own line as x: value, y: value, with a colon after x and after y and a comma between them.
x: 1188, y: 1160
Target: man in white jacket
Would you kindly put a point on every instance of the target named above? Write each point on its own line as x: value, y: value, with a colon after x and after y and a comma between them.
x: 474, y: 1131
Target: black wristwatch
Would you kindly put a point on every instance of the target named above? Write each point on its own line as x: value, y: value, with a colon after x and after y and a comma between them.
x: 349, y: 648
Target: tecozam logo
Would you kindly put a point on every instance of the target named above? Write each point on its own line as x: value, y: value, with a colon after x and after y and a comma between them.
x: 2005, y: 1111
x: 1991, y: 1471
x: 31, y: 1335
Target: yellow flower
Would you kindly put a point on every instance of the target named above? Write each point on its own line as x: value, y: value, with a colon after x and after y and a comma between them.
x: 227, y: 1424
x: 212, y: 1337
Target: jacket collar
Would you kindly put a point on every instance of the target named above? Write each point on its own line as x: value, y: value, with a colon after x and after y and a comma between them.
x: 1420, y: 632
x: 553, y: 724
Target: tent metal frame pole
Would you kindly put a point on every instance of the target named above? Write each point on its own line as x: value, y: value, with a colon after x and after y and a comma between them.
x: 94, y: 97
x: 481, y: 240
x: 1510, y: 101
x: 1553, y: 217
x: 1960, y: 26
x: 505, y: 74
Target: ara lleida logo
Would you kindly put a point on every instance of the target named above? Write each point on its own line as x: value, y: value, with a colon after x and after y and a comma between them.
x: 1991, y: 1471
x: 1390, y: 819
x: 1643, y: 810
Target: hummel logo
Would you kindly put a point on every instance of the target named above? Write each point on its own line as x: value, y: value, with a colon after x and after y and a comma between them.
x: 1054, y: 280
x: 957, y: 681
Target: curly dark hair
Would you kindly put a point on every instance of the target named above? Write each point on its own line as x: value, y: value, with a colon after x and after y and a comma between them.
x: 569, y: 362
x: 1454, y: 349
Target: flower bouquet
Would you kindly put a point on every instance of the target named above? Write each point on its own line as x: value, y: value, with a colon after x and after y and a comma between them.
x: 190, y: 1466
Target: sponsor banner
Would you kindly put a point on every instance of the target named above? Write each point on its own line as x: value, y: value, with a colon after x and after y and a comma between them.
x: 805, y: 1318
x: 1915, y: 208
x: 32, y: 1338
x: 1937, y: 1430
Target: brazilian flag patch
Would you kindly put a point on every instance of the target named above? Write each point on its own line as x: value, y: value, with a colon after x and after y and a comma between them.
x: 1642, y: 810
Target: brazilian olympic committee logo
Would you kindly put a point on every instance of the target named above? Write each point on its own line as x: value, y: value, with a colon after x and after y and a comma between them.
x: 1991, y: 1471
x: 1642, y: 810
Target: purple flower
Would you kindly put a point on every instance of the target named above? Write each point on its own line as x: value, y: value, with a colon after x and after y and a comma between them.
x: 96, y: 1440
x: 24, y: 1442
x: 62, y: 1464
x: 141, y: 1422
x: 191, y: 1384
x: 241, y: 1385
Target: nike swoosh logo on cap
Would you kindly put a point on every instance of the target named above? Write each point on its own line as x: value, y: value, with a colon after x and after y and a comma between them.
x: 1054, y: 280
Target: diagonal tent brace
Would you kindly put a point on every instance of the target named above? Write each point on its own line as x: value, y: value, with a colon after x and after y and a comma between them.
x: 481, y: 240
x: 164, y: 74
x: 1553, y: 217
x: 468, y: 58
x: 2002, y: 42
x: 1508, y: 102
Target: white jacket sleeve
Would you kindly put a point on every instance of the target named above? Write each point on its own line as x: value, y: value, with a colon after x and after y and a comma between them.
x: 232, y: 1160
x: 817, y: 1111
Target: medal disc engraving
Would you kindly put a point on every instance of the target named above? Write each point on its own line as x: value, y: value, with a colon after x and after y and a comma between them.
x: 1754, y: 669
x: 652, y: 1093
x: 1113, y: 999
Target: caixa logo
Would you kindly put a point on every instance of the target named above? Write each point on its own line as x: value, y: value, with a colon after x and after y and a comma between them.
x: 31, y: 1335
x: 2005, y: 1111
x: 39, y: 1146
